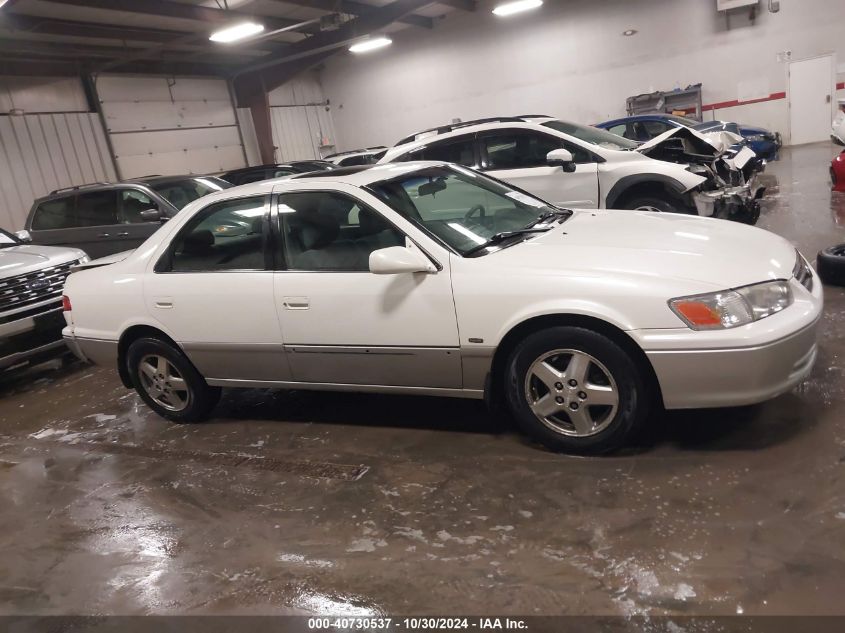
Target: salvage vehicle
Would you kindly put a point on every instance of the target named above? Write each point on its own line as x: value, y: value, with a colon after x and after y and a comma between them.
x: 106, y: 218
x: 430, y: 278
x: 31, y: 280
x: 591, y: 168
x: 258, y: 173
x: 644, y: 127
x: 365, y: 156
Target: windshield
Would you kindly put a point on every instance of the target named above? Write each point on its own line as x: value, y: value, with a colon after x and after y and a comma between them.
x: 461, y: 208
x: 7, y: 239
x: 180, y: 193
x: 683, y: 120
x: 593, y: 135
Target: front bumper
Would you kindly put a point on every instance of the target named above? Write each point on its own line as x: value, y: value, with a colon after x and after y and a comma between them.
x: 740, y: 366
x: 741, y: 204
x: 30, y: 339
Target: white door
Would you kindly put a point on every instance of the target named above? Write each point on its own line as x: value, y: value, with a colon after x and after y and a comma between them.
x: 345, y: 325
x: 518, y: 156
x: 212, y: 290
x: 811, y: 108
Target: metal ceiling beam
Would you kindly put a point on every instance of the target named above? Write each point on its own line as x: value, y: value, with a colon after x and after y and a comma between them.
x: 359, y: 8
x: 25, y: 24
x: 21, y: 66
x: 197, y: 13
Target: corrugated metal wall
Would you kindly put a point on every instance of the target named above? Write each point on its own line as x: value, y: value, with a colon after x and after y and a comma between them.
x: 43, y: 152
x: 160, y: 125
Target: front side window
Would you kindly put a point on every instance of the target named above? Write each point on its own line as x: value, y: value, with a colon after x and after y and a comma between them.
x: 132, y: 203
x: 461, y: 208
x: 460, y: 151
x: 593, y: 135
x: 329, y: 231
x: 225, y: 236
x: 519, y: 150
x: 97, y: 208
x: 180, y: 193
x: 55, y: 214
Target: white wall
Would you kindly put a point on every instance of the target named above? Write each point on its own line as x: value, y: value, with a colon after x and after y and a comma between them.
x: 42, y: 94
x: 569, y: 59
x: 170, y: 125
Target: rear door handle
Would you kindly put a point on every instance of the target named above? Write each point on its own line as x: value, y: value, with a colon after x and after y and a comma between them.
x: 296, y: 303
x: 101, y: 235
x: 124, y: 234
x: 164, y: 304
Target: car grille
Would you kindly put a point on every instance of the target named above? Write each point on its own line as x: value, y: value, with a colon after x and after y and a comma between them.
x: 33, y: 288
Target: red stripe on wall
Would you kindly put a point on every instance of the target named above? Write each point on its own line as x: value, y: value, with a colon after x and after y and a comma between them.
x: 775, y: 96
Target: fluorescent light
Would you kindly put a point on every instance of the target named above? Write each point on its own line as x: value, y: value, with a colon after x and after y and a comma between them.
x: 509, y: 8
x: 371, y: 45
x: 237, y: 32
x: 2, y: 2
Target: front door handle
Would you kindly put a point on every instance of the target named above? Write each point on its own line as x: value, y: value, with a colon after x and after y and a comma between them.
x: 102, y: 235
x: 164, y: 303
x: 123, y: 234
x: 296, y: 303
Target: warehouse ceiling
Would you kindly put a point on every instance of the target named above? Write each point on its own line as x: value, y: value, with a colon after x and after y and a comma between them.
x: 59, y: 37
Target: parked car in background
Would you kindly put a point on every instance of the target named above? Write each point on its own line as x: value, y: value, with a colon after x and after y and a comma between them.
x: 837, y: 172
x: 366, y: 156
x: 644, y: 127
x: 258, y: 173
x: 430, y: 278
x: 31, y: 281
x: 106, y: 218
x: 591, y: 167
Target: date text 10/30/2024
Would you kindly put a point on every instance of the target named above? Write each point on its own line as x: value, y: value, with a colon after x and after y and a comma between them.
x: 417, y: 624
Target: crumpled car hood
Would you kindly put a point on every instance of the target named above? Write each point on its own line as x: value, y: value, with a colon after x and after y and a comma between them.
x: 710, y: 144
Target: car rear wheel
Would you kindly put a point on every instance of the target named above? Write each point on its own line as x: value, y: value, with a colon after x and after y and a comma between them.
x: 830, y: 265
x: 654, y: 203
x: 168, y: 382
x: 576, y: 390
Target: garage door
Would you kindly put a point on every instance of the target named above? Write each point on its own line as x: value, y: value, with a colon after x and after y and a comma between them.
x: 171, y: 125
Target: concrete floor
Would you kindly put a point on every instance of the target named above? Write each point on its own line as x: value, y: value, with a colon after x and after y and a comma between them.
x: 296, y: 502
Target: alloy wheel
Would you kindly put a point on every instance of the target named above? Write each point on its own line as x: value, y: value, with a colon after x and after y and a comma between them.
x: 163, y: 383
x: 571, y: 392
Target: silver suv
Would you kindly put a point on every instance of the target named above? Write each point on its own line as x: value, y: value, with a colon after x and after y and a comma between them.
x: 107, y: 218
x: 31, y: 282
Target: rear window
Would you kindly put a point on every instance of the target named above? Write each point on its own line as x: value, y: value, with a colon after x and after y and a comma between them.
x: 54, y: 214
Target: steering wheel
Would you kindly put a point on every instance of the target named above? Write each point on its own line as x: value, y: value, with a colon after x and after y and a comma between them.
x: 478, y: 207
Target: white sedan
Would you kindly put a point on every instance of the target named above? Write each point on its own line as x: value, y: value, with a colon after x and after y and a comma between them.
x: 433, y: 279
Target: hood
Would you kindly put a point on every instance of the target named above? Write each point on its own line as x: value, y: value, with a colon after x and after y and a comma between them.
x: 105, y: 261
x: 693, y: 142
x: 27, y: 258
x: 697, y: 254
x: 750, y: 130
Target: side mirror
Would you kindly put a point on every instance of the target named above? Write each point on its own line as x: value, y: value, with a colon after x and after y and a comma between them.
x: 23, y: 236
x: 561, y: 158
x: 153, y: 215
x: 396, y: 260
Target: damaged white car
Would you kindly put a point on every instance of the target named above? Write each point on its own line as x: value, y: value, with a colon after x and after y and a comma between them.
x: 578, y: 166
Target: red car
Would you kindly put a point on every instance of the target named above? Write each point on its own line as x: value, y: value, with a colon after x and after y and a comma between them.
x: 837, y: 172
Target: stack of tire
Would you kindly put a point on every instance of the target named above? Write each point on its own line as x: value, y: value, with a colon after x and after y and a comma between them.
x: 830, y: 265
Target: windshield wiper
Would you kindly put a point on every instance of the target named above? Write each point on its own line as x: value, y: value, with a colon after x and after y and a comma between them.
x: 501, y: 237
x: 550, y: 215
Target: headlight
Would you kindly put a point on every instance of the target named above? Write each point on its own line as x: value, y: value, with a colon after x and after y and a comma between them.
x: 756, y: 137
x: 732, y: 308
x: 84, y: 259
x: 802, y: 272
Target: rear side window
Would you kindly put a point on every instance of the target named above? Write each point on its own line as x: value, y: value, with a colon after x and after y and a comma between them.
x: 97, y: 208
x: 460, y: 151
x: 55, y: 214
x: 516, y: 150
x: 229, y: 235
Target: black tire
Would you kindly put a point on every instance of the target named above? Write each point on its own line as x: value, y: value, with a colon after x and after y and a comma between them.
x: 652, y: 202
x: 200, y: 399
x: 632, y: 391
x: 830, y: 265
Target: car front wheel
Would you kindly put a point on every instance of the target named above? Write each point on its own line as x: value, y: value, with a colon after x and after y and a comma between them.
x: 655, y: 203
x: 576, y: 390
x: 167, y: 381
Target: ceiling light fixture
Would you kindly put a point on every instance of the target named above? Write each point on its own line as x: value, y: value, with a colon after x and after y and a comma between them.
x: 237, y: 32
x: 2, y: 2
x: 629, y: 32
x: 371, y: 44
x: 509, y: 8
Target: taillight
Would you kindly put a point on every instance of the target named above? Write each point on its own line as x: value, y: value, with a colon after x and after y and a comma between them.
x: 66, y: 303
